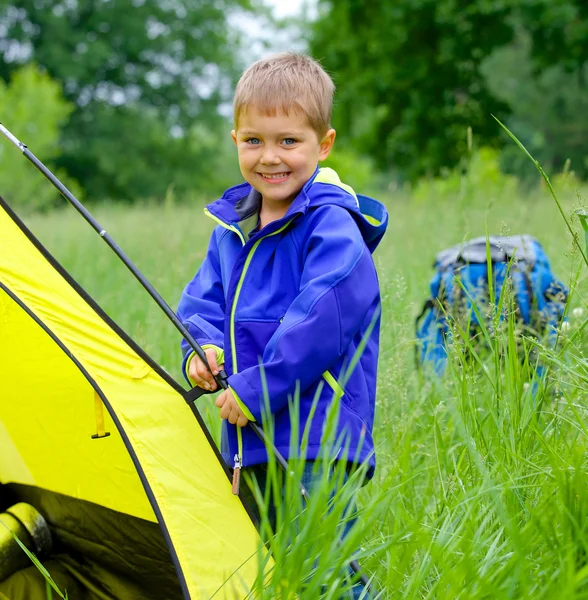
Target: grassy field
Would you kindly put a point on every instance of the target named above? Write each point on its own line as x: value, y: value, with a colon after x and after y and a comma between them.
x: 481, y: 489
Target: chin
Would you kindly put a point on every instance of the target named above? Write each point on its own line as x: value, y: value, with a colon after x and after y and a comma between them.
x: 284, y: 197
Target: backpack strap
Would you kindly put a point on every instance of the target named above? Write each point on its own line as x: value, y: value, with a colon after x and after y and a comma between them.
x: 525, y: 297
x: 428, y: 305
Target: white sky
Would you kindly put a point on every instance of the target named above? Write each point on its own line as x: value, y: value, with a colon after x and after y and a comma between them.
x: 286, y: 8
x: 264, y: 39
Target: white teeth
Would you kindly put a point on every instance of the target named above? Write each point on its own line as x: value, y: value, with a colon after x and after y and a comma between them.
x: 274, y: 175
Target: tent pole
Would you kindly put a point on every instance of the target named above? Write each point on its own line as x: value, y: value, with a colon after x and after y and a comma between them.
x: 221, y: 378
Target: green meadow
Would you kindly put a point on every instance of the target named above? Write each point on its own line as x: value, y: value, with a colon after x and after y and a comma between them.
x: 481, y: 489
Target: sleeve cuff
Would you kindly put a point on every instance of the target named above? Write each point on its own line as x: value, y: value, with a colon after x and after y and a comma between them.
x: 187, y: 365
x: 242, y: 406
x: 220, y: 353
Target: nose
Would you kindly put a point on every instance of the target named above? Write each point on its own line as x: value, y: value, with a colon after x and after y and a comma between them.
x: 269, y: 156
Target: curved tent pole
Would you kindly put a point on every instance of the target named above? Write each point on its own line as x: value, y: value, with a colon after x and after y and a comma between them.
x: 195, y: 393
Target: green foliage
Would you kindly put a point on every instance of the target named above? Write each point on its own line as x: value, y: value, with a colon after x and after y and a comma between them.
x: 577, y: 246
x: 583, y: 218
x: 412, y: 75
x: 355, y: 169
x: 548, y: 109
x: 139, y: 75
x: 559, y: 30
x: 131, y: 155
x: 481, y: 174
x: 33, y: 108
x: 408, y: 76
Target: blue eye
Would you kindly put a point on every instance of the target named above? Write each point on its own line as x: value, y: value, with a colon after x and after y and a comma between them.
x: 253, y: 141
x: 289, y: 141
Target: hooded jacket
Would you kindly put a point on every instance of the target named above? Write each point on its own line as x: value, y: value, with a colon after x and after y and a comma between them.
x: 295, y: 307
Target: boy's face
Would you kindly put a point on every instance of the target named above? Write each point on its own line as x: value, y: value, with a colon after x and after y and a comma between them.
x: 278, y: 155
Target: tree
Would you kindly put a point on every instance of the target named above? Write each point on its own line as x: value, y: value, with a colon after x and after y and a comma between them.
x: 140, y: 73
x: 408, y: 76
x: 411, y: 77
x: 34, y: 101
x: 548, y: 107
x: 559, y: 32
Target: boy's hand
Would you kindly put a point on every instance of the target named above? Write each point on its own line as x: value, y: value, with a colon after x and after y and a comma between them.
x: 200, y: 375
x: 229, y: 409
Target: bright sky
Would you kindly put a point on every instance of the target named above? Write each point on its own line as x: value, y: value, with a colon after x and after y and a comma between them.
x: 287, y: 8
x: 265, y: 39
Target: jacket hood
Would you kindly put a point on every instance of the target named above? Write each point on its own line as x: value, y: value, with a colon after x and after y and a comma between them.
x: 323, y: 188
x: 371, y: 216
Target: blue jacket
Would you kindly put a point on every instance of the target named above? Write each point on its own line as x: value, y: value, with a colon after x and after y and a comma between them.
x: 289, y: 305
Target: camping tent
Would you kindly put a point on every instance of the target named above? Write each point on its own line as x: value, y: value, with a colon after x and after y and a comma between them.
x: 97, y: 437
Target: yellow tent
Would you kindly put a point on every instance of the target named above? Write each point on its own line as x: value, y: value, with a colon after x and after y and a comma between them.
x: 98, y: 438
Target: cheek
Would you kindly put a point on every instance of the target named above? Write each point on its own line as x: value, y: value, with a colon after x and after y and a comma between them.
x: 301, y: 159
x: 249, y: 154
x: 306, y: 163
x: 247, y: 158
x: 244, y: 166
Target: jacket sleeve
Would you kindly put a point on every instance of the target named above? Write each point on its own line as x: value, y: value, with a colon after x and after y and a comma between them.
x: 202, y: 305
x: 338, y: 288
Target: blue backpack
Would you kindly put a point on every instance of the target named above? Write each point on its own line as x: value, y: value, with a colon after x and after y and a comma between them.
x: 539, y: 298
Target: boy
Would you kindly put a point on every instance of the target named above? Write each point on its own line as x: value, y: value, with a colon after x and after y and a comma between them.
x: 288, y: 288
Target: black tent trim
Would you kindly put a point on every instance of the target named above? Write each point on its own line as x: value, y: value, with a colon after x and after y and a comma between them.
x: 121, y: 431
x: 114, y: 326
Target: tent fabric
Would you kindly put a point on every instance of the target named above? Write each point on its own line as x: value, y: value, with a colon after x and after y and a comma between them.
x: 61, y: 359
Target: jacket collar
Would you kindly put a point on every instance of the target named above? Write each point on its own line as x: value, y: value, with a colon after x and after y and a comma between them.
x: 242, y: 201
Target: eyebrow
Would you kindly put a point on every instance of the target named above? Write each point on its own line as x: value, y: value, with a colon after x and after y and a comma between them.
x: 280, y: 134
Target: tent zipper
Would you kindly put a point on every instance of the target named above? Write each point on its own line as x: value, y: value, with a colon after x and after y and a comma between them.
x: 238, y: 463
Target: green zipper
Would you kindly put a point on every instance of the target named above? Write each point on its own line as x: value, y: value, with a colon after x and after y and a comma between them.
x: 225, y: 225
x: 232, y: 325
x: 240, y: 285
x: 238, y: 459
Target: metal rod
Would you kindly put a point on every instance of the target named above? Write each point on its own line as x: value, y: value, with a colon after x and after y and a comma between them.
x: 220, y: 379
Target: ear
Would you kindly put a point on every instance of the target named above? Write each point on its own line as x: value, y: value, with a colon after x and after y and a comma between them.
x: 326, y: 144
x: 234, y: 136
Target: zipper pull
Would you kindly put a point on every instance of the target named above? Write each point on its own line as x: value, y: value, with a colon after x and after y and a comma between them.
x: 236, y: 474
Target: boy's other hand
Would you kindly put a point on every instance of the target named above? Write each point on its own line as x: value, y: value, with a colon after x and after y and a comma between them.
x: 200, y: 375
x: 229, y: 409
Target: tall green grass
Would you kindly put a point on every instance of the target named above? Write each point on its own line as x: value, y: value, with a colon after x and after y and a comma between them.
x: 481, y: 488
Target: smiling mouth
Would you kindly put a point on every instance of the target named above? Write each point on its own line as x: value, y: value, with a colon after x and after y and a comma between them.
x: 275, y: 177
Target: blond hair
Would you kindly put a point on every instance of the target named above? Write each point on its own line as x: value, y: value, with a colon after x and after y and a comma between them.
x: 285, y: 83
